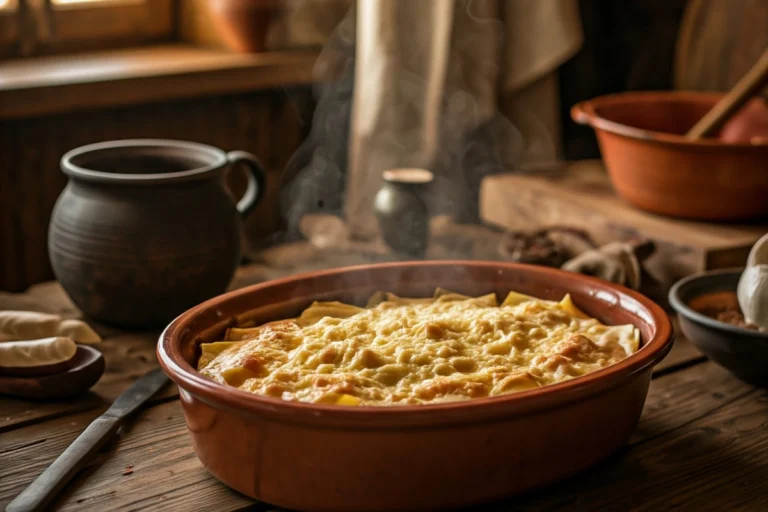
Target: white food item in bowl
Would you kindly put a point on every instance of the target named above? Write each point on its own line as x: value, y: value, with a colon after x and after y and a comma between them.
x: 32, y: 353
x: 752, y: 290
x: 32, y: 325
x: 405, y: 351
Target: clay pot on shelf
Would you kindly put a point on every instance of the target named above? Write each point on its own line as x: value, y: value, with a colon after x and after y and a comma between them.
x: 243, y: 24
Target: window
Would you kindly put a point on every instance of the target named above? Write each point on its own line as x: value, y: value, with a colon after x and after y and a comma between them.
x: 37, y: 27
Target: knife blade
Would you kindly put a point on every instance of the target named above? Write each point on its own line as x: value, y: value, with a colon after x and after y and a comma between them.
x: 40, y: 492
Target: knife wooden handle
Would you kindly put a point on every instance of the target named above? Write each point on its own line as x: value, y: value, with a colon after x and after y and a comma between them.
x: 40, y: 492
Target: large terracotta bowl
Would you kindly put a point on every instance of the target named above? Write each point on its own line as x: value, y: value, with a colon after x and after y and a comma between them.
x: 653, y: 166
x: 335, y: 458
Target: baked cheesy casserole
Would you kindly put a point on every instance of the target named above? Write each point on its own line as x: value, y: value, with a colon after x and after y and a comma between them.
x: 401, y: 351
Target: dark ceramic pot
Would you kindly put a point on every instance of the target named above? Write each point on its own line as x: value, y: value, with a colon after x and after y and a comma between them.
x: 402, y: 214
x: 147, y: 228
x: 743, y: 352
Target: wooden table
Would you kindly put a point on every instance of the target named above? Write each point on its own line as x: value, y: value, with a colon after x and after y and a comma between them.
x: 702, y: 442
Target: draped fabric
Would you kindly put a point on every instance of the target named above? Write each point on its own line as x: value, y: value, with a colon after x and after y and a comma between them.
x: 430, y: 81
x: 464, y: 88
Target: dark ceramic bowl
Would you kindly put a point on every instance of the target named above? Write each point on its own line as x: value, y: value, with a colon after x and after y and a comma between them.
x: 743, y: 352
x: 147, y: 228
x: 314, y: 457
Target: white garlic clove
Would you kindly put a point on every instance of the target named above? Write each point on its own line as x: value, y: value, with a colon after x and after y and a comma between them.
x: 759, y: 253
x: 752, y: 293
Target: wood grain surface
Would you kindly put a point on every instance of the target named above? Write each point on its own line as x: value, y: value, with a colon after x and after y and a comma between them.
x: 702, y: 441
x: 684, y: 426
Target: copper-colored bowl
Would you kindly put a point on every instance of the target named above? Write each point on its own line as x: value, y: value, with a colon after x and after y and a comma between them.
x: 335, y: 458
x: 653, y: 166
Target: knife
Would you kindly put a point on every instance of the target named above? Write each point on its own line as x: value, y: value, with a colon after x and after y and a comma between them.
x: 40, y: 492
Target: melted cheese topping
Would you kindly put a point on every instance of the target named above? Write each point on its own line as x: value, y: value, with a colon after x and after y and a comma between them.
x: 416, y: 351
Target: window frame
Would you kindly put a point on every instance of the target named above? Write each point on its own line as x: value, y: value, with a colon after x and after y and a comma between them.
x: 9, y: 29
x: 92, y: 26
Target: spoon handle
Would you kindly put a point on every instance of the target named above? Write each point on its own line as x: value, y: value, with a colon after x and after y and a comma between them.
x: 750, y: 84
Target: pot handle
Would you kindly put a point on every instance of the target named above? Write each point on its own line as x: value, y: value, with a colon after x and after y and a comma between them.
x: 256, y: 180
x: 580, y: 115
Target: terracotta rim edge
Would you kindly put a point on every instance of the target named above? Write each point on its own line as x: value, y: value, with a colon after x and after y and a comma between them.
x: 585, y: 113
x: 475, y: 410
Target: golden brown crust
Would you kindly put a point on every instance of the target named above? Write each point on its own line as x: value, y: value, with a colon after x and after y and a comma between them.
x: 411, y: 351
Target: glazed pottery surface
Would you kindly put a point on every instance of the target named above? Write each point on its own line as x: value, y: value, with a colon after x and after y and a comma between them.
x: 333, y: 458
x: 401, y: 212
x: 653, y: 166
x: 147, y: 228
x: 243, y: 24
x: 743, y: 352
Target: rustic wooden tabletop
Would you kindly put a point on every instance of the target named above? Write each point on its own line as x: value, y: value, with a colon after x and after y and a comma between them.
x: 702, y: 442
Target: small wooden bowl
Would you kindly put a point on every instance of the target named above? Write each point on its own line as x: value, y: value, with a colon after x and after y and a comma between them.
x: 654, y: 167
x: 39, y: 371
x: 744, y: 352
x: 85, y: 369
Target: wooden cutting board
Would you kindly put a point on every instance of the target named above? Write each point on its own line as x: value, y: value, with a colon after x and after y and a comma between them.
x: 581, y: 195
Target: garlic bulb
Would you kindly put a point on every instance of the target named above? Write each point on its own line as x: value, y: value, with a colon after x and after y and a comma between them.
x: 752, y: 291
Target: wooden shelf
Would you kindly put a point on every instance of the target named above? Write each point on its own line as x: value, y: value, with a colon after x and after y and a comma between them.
x: 46, y: 85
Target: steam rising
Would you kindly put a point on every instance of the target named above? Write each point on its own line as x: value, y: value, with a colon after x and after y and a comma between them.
x: 425, y: 76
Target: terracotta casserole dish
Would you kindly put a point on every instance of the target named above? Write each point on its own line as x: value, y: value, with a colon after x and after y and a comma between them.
x: 335, y: 458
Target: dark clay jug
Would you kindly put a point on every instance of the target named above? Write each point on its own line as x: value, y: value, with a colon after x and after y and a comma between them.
x: 147, y: 228
x: 402, y: 214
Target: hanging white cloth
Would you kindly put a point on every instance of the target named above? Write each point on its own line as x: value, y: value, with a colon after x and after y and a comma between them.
x: 431, y: 73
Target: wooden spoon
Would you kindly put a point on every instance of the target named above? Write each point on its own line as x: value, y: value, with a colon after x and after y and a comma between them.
x: 86, y: 369
x: 732, y: 102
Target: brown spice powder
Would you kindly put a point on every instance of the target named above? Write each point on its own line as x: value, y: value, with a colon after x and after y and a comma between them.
x: 723, y: 307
